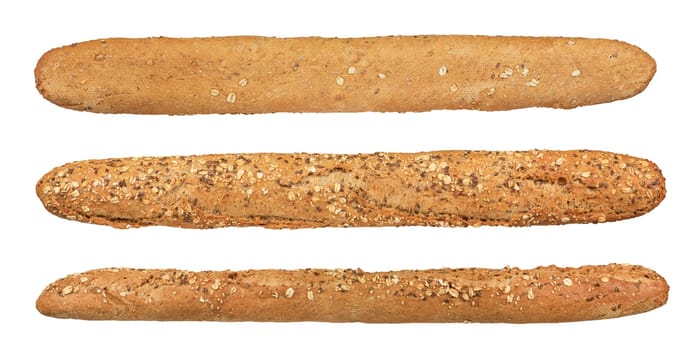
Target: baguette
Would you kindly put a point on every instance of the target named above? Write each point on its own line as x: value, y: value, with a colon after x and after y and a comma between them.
x: 248, y: 74
x: 508, y: 295
x: 275, y: 190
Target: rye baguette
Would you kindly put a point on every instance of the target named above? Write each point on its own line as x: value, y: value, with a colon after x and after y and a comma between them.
x: 508, y: 295
x: 298, y: 190
x: 248, y: 74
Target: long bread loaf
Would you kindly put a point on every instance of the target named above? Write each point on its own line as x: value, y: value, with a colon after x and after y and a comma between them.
x: 543, y: 294
x: 443, y: 188
x: 401, y: 73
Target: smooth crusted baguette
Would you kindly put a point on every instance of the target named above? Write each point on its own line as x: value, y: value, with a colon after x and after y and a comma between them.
x: 297, y: 190
x: 248, y: 74
x: 543, y: 294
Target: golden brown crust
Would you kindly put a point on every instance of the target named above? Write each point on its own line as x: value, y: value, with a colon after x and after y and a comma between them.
x: 543, y: 294
x: 443, y: 188
x: 247, y: 74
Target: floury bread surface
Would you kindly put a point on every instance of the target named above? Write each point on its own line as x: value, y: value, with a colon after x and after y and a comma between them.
x: 247, y: 74
x: 543, y: 294
x: 442, y: 188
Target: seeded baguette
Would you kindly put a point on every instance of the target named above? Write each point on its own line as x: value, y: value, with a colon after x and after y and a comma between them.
x: 249, y: 74
x: 508, y: 295
x: 277, y: 190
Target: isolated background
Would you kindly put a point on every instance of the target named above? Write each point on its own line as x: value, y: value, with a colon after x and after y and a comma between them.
x: 36, y: 248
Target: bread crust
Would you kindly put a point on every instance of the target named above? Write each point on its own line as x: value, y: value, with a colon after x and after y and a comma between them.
x: 299, y: 190
x: 508, y: 295
x: 249, y: 74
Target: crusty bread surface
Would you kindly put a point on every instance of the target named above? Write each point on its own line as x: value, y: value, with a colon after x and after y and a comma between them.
x: 299, y: 190
x: 248, y: 74
x: 508, y: 295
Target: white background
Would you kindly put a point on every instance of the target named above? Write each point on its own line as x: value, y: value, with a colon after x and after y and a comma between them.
x: 659, y: 124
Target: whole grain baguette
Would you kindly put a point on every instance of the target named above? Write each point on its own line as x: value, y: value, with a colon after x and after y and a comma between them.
x: 543, y: 294
x: 441, y: 188
x: 248, y: 74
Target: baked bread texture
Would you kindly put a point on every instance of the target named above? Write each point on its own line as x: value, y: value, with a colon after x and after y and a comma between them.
x: 299, y: 190
x: 249, y: 74
x: 508, y: 295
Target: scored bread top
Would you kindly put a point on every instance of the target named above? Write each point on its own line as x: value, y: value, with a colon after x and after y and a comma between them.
x: 249, y: 74
x: 543, y: 294
x: 276, y: 190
